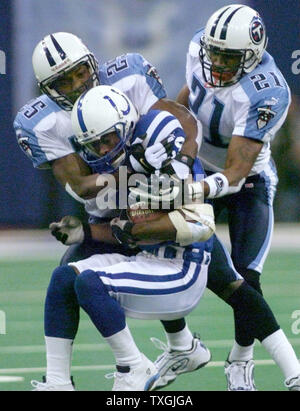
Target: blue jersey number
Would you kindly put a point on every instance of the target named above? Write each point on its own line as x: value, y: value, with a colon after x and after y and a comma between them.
x: 199, y: 91
x: 260, y: 81
x: 116, y: 65
x: 34, y: 109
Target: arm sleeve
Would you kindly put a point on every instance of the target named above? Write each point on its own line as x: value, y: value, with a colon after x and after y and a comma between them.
x: 43, y: 142
x: 141, y: 82
x: 260, y: 116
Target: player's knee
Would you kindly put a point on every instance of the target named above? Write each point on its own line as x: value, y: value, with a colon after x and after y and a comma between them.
x: 86, y: 284
x: 230, y: 289
x: 62, y: 280
x: 252, y: 277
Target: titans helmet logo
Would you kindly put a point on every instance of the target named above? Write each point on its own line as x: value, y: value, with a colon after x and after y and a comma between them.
x: 257, y: 30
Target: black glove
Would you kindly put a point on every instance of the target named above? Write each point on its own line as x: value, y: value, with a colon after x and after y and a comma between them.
x: 121, y: 229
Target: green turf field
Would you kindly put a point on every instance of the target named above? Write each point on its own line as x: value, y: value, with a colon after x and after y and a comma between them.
x: 22, y: 354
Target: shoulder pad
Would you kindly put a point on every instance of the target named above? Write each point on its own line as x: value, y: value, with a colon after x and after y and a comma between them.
x: 35, y: 111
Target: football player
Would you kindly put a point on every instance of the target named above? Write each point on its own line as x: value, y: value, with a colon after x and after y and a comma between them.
x: 164, y: 280
x: 64, y: 68
x: 237, y: 92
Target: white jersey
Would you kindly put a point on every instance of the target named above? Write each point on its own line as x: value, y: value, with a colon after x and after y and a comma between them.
x: 254, y: 108
x: 44, y: 130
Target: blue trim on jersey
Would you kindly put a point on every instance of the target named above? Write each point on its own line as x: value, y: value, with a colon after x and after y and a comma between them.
x: 35, y: 111
x: 197, y: 36
x: 115, y: 70
x: 262, y: 89
x: 26, y: 120
x: 29, y: 141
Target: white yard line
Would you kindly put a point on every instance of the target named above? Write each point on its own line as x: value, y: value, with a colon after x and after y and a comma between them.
x: 10, y: 378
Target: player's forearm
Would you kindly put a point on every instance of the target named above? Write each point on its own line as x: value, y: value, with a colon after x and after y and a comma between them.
x: 159, y: 230
x: 77, y: 178
x: 103, y: 233
x: 183, y: 96
x: 87, y: 187
x: 241, y: 156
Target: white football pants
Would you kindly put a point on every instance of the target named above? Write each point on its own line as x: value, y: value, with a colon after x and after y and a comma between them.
x: 149, y: 287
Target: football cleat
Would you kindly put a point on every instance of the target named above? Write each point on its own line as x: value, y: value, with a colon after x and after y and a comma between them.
x: 48, y: 386
x: 293, y: 384
x: 141, y: 378
x: 239, y: 375
x: 172, y: 363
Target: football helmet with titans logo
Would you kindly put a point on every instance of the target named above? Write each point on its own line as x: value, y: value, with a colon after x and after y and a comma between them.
x: 233, y: 43
x: 103, y: 120
x: 64, y: 68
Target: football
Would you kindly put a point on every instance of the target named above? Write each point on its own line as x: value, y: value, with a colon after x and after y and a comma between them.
x: 138, y: 214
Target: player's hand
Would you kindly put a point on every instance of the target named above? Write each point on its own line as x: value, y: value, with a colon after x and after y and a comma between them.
x: 121, y: 229
x: 69, y: 230
x: 157, y: 191
x: 159, y: 154
x: 154, y: 157
x: 237, y: 188
x: 137, y: 159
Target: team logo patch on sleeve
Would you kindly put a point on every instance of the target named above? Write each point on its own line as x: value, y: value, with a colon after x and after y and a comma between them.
x: 151, y: 71
x: 265, y: 114
x: 24, y: 144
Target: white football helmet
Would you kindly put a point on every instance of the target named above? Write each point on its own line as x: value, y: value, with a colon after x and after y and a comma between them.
x: 96, y: 113
x: 232, y: 45
x: 57, y: 54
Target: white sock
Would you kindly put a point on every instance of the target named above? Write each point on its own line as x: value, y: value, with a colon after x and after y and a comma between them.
x: 180, y: 341
x: 240, y: 353
x: 124, y: 348
x: 59, y: 355
x: 282, y: 353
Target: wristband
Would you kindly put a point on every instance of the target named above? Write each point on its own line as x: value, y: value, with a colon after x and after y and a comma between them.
x: 87, y: 233
x: 183, y: 171
x: 185, y: 159
x: 218, y: 185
